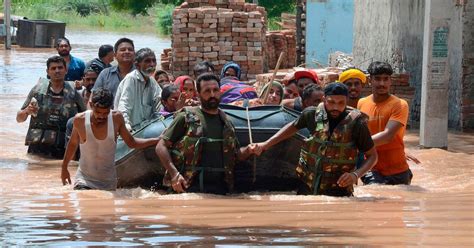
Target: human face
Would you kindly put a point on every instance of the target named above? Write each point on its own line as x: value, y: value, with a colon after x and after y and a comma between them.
x: 109, y: 58
x: 89, y: 80
x: 335, y: 105
x: 274, y: 96
x: 125, y: 53
x: 99, y: 114
x: 63, y: 49
x: 230, y: 72
x: 381, y: 84
x: 163, y: 80
x: 147, y: 65
x: 355, y: 87
x: 170, y: 103
x: 302, y: 82
x: 56, y: 71
x: 210, y: 95
x: 188, y: 89
x: 291, y: 91
x: 315, y: 99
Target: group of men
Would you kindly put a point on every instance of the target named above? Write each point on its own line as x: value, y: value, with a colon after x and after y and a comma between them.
x: 351, y: 137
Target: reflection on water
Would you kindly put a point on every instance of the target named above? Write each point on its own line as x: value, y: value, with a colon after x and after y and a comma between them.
x: 35, y: 209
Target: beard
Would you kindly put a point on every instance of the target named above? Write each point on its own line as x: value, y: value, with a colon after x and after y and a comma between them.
x: 334, y: 114
x: 63, y: 53
x: 211, y: 104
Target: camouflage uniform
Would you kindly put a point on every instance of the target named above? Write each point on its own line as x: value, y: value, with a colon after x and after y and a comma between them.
x: 47, y: 129
x: 186, y: 153
x: 324, y: 157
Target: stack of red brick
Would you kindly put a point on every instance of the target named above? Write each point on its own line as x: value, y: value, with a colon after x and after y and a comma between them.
x: 217, y: 31
x: 281, y: 41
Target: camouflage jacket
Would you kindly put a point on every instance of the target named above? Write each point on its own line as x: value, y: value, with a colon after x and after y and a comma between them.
x: 186, y: 153
x: 53, y: 112
x: 325, y: 157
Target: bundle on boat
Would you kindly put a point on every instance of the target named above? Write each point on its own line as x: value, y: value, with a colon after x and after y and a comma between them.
x: 275, y: 168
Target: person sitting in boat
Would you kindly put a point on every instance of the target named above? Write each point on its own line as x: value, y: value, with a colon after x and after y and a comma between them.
x: 291, y: 90
x: 312, y: 96
x: 171, y: 100
x: 199, y: 149
x: 50, y: 103
x: 203, y: 67
x: 95, y: 132
x: 275, y: 96
x: 162, y: 78
x: 187, y: 89
x: 231, y: 69
x: 138, y: 95
x: 328, y: 158
x: 305, y: 77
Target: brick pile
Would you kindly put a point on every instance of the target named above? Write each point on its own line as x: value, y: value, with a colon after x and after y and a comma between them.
x: 217, y: 31
x: 281, y: 41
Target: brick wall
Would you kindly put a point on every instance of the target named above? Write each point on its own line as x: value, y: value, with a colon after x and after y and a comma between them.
x: 218, y: 31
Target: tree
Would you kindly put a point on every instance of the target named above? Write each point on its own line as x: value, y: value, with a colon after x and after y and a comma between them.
x: 135, y: 7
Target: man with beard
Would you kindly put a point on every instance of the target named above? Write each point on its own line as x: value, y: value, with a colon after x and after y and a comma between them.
x: 138, y: 95
x: 354, y: 79
x: 328, y: 157
x: 111, y: 77
x: 75, y: 66
x: 50, y: 103
x: 199, y: 149
x: 388, y: 116
x: 96, y: 132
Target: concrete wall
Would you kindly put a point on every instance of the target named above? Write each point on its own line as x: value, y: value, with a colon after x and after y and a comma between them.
x: 392, y: 31
x: 467, y: 110
x: 328, y: 29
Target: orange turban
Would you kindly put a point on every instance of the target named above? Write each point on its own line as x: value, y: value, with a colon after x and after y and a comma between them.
x: 352, y: 73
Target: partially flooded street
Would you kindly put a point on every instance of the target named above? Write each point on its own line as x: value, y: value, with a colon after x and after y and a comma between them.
x: 36, y: 209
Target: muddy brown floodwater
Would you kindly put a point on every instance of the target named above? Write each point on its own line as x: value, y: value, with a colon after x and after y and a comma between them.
x: 35, y: 209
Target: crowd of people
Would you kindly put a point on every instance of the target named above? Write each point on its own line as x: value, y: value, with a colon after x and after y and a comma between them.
x: 88, y: 105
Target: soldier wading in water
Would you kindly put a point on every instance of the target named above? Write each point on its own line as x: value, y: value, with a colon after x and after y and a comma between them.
x: 328, y: 157
x: 199, y: 149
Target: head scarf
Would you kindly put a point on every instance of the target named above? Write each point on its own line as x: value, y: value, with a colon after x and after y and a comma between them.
x: 274, y: 83
x: 352, y: 73
x: 337, y: 88
x: 232, y: 65
x: 180, y: 82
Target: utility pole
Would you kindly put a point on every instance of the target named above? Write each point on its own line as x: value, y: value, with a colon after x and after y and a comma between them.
x: 7, y: 21
x: 435, y: 75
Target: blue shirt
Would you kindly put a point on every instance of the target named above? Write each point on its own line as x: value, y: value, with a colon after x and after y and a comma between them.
x: 75, y: 69
x: 109, y: 78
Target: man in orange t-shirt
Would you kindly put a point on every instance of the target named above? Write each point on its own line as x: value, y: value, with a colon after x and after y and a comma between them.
x: 388, y: 116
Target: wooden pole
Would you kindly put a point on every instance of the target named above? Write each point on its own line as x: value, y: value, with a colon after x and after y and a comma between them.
x: 268, y: 85
x: 254, y: 165
x: 7, y: 21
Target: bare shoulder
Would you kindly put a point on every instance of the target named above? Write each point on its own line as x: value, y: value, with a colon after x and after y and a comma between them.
x: 117, y: 116
x: 79, y: 118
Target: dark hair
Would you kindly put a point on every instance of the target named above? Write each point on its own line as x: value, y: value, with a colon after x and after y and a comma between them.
x: 123, y: 40
x: 203, y: 66
x: 141, y: 54
x: 90, y: 69
x: 102, y: 98
x: 104, y: 50
x: 159, y: 72
x: 206, y: 77
x: 309, y: 89
x: 167, y: 91
x: 59, y: 40
x: 55, y: 59
x: 379, y: 68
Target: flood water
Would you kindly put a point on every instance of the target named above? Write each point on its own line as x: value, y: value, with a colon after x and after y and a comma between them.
x: 35, y: 209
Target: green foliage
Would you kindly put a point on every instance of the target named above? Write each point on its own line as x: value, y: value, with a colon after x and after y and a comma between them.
x: 276, y: 7
x: 165, y: 19
x: 134, y: 7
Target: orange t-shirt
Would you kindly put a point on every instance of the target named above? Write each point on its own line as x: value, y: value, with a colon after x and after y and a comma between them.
x: 392, y: 155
